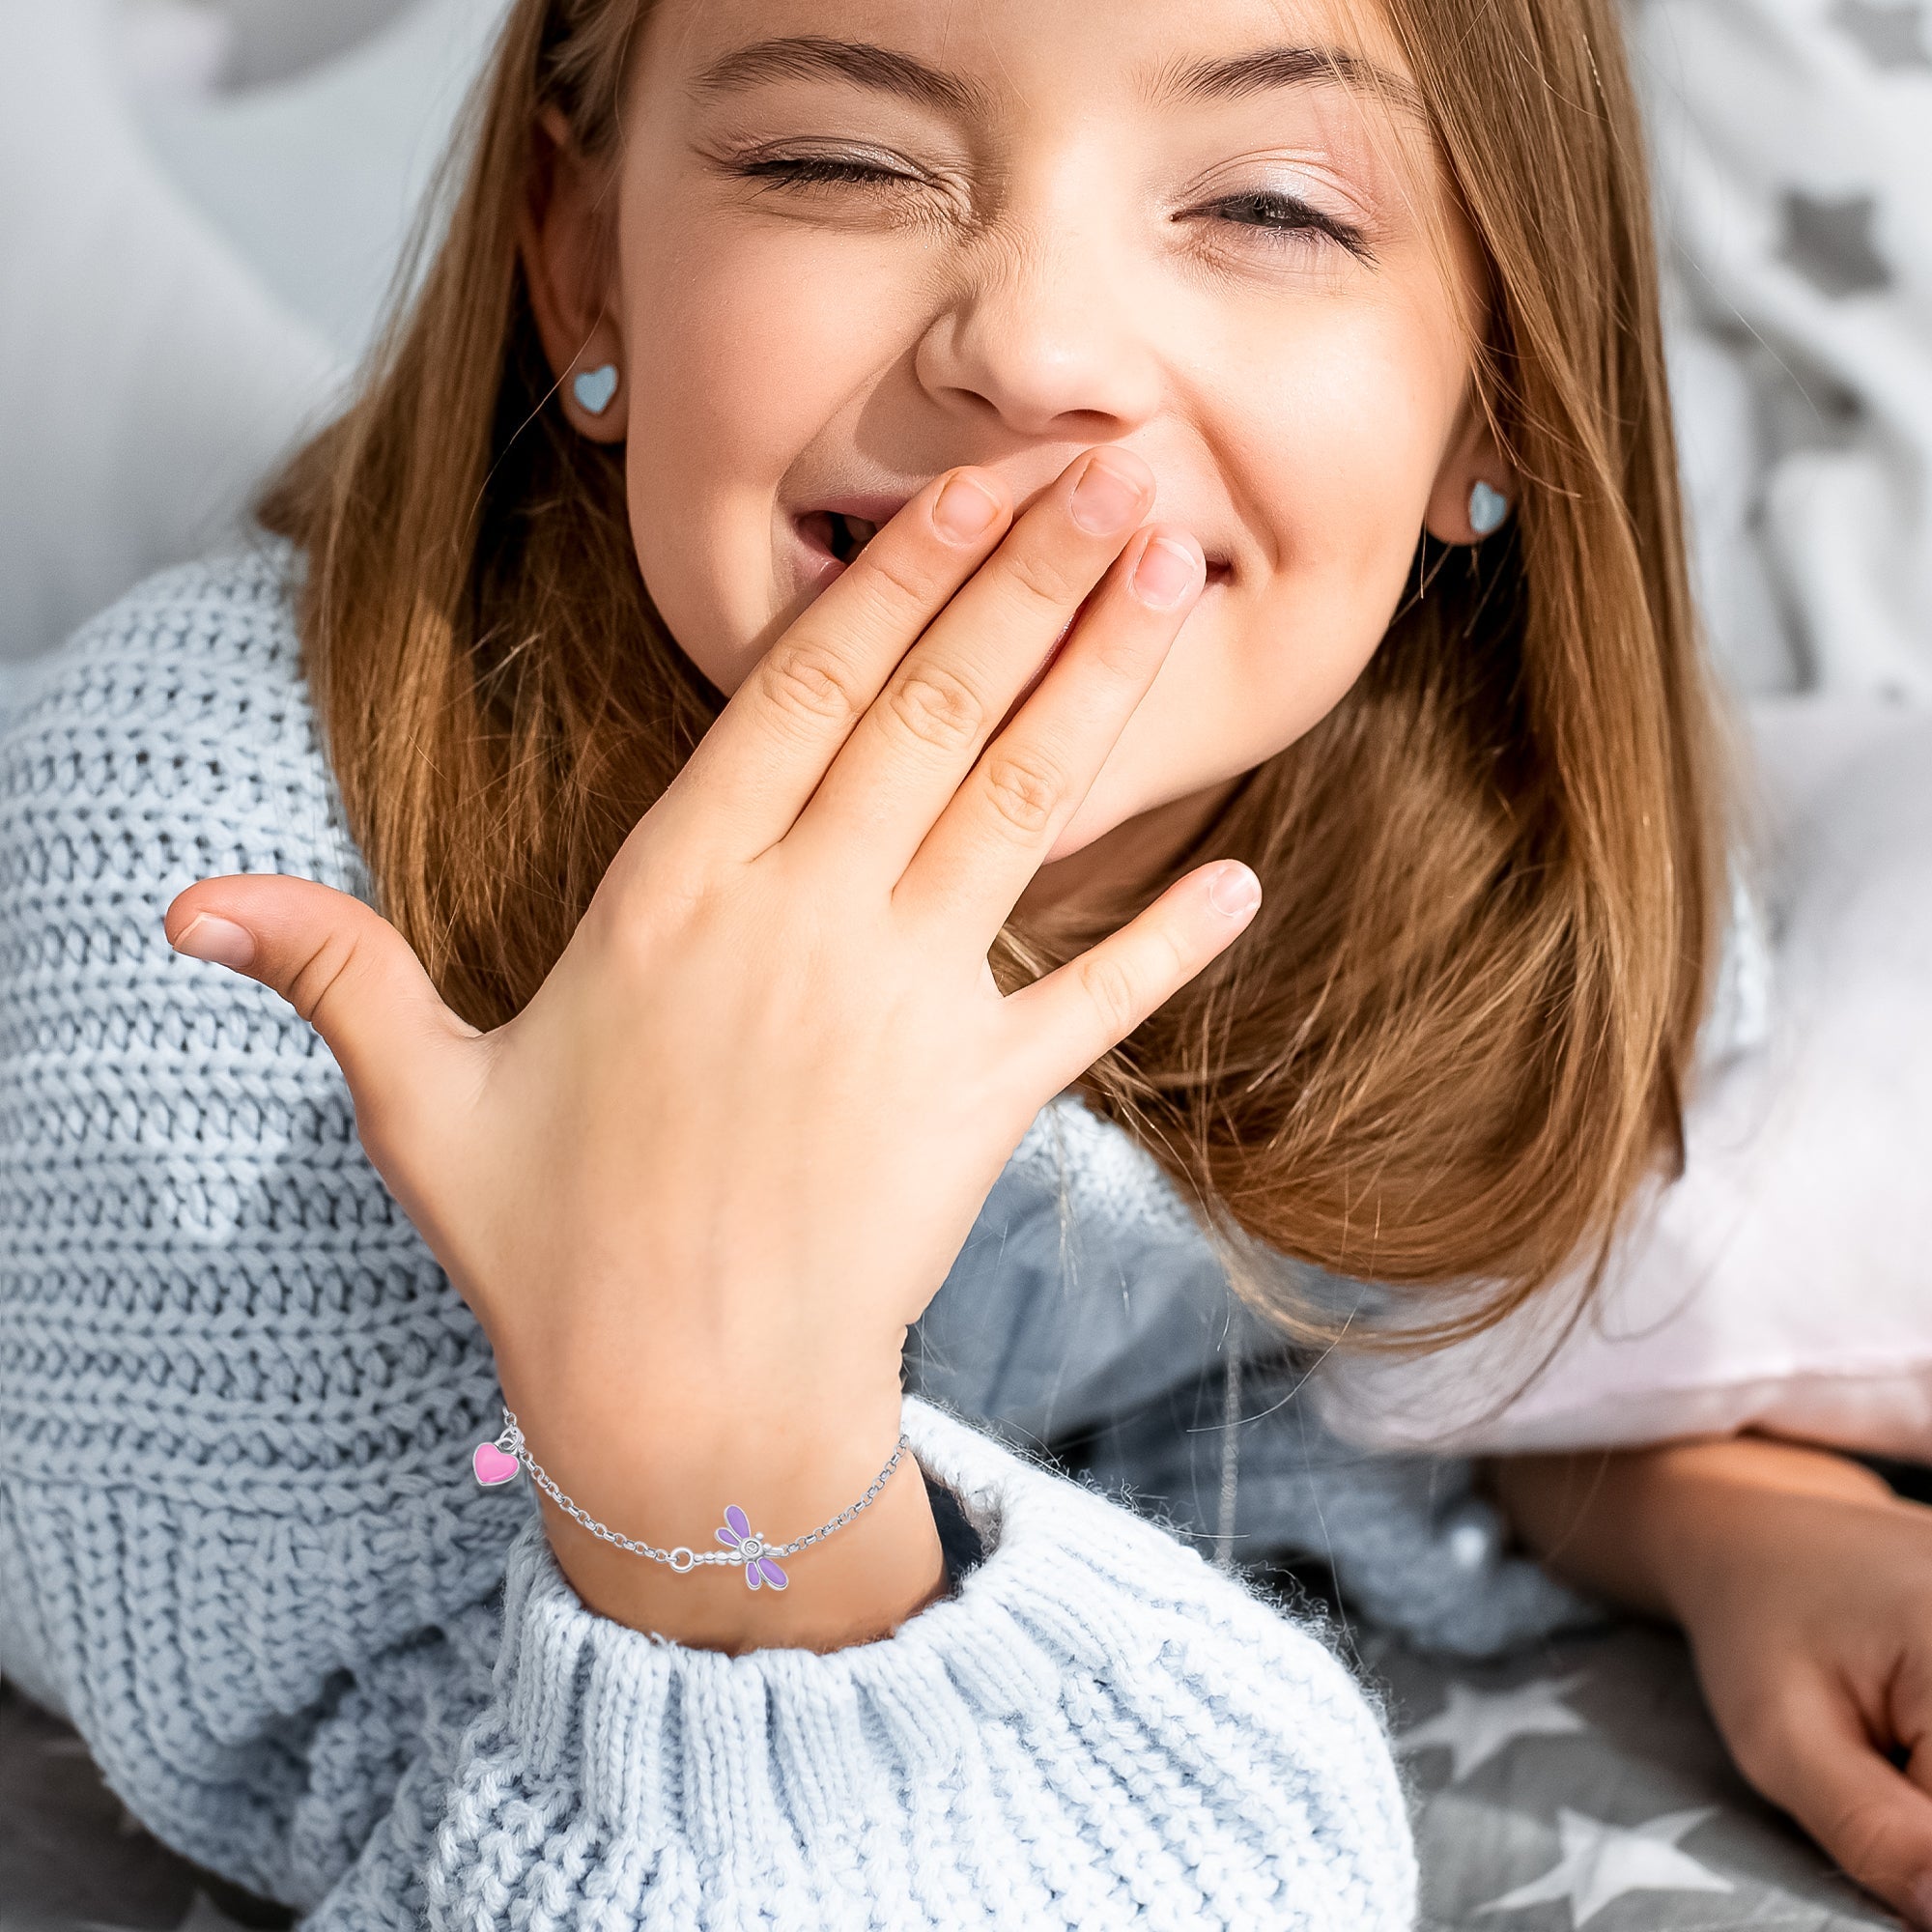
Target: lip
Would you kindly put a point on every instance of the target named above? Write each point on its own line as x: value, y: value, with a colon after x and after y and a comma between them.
x: 814, y: 565
x: 880, y: 507
x: 875, y: 508
x: 872, y: 508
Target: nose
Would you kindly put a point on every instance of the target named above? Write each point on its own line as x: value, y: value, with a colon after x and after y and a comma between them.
x: 1042, y: 335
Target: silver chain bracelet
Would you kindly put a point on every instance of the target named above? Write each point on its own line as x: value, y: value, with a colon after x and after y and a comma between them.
x: 502, y: 1460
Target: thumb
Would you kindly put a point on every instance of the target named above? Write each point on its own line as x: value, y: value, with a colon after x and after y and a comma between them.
x: 350, y: 974
x: 1827, y: 1771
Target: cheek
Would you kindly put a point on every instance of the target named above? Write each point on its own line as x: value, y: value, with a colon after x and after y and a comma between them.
x: 729, y: 388
x: 1332, y: 457
x: 1339, y: 450
x: 1349, y: 445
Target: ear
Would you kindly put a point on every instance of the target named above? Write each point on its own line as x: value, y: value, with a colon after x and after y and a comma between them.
x: 570, y: 267
x: 1473, y: 458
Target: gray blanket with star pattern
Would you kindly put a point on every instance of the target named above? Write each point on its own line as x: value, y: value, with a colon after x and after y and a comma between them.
x: 1578, y: 1784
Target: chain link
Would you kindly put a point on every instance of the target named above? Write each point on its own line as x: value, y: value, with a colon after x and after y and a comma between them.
x: 682, y: 1560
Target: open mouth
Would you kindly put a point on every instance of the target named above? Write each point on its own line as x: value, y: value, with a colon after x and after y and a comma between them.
x: 837, y: 533
x: 843, y: 533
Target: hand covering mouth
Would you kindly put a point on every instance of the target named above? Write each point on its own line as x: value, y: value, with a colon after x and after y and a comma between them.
x: 842, y: 533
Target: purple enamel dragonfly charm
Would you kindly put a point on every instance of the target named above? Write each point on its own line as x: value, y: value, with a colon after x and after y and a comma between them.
x: 759, y: 1569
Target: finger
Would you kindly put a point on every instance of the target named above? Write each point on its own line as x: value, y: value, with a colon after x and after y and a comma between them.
x: 999, y: 827
x: 1819, y: 1764
x: 352, y: 975
x: 753, y: 772
x: 1069, y: 1019
x: 910, y: 753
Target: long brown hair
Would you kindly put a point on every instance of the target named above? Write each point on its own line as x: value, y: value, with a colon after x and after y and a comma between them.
x: 1454, y: 1042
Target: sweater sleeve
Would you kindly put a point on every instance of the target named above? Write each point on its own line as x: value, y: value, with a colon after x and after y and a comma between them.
x: 1096, y: 1729
x: 237, y: 1543
x: 235, y: 1391
x: 1087, y: 1312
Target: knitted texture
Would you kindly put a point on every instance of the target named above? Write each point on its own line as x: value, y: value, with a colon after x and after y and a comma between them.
x: 1087, y: 1312
x: 1099, y: 1730
x: 237, y: 1543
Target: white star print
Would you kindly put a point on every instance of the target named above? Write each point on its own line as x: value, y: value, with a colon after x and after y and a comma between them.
x: 1475, y: 1725
x: 1603, y: 1862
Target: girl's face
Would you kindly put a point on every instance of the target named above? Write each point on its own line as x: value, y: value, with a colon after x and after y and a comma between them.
x: 859, y: 242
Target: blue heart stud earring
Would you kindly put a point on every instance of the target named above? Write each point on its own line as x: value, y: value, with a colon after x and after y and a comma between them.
x: 1489, y: 510
x: 595, y: 388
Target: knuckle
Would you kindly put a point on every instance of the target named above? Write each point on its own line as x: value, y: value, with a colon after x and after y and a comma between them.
x: 808, y: 682
x: 1110, y: 990
x: 936, y: 708
x: 892, y: 580
x: 1043, y: 579
x: 1861, y: 1836
x: 1024, y: 790
x: 630, y: 928
x: 319, y: 977
x: 1125, y: 654
x: 1181, y: 960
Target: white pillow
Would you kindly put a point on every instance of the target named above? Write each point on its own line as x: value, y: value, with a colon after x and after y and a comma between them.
x: 187, y: 282
x: 146, y: 379
x: 1786, y: 1281
x: 316, y: 180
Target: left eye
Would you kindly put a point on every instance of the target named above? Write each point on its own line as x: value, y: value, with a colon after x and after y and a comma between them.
x: 1287, y: 215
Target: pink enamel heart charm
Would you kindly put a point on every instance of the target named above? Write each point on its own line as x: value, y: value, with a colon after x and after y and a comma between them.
x: 493, y: 1467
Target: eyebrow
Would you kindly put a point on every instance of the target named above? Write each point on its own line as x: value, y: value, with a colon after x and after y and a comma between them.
x: 886, y: 70
x: 1240, y: 76
x: 812, y: 58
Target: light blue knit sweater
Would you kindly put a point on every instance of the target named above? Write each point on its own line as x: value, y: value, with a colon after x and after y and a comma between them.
x: 239, y: 1546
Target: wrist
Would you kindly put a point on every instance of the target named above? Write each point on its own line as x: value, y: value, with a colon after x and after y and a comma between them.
x: 686, y: 1401
x: 1674, y: 1529
x: 1723, y: 1516
x: 776, y: 1531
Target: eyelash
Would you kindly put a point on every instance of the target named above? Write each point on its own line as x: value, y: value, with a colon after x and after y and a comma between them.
x: 820, y: 170
x: 1301, y: 218
x: 1281, y: 216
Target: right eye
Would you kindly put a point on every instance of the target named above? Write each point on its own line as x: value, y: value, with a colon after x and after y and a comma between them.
x: 827, y: 171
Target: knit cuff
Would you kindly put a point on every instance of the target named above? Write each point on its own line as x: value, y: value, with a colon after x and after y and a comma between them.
x: 1090, y: 1669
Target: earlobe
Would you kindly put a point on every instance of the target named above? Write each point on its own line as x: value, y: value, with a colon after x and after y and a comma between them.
x: 594, y: 388
x: 563, y: 240
x: 1489, y: 508
x: 588, y: 394
x: 1475, y: 494
x: 1468, y: 505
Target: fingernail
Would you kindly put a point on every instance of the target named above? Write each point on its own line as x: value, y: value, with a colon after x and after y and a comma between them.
x: 218, y: 941
x: 1104, y: 501
x: 1235, y: 891
x: 1165, y: 574
x: 965, y: 510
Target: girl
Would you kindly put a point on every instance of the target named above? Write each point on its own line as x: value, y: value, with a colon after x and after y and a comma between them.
x: 898, y: 561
